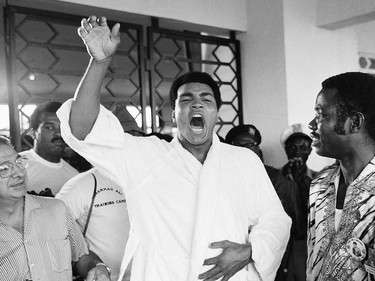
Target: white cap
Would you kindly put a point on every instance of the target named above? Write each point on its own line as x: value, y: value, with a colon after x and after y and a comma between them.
x: 294, y: 130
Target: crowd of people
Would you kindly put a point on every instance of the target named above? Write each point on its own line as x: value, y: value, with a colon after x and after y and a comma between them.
x: 194, y: 206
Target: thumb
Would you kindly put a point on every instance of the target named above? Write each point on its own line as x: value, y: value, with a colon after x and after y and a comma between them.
x: 218, y: 244
x: 116, y: 32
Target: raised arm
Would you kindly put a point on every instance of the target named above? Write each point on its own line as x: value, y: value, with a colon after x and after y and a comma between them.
x: 101, y: 44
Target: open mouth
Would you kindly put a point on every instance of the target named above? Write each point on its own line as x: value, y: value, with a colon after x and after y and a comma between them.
x: 197, y: 123
x: 315, y: 139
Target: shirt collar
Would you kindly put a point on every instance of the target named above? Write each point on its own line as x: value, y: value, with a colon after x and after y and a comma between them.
x: 30, y: 204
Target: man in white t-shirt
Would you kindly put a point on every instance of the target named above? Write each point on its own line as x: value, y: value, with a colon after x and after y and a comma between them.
x: 108, y: 227
x: 47, y: 171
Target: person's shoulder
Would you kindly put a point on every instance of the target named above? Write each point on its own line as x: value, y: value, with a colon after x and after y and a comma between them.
x: 49, y: 202
x: 240, y: 154
x: 272, y: 171
x: 82, y: 181
x: 28, y: 153
x: 325, y: 174
x: 69, y: 167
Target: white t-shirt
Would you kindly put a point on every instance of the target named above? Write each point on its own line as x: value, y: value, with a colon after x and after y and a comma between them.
x: 43, y: 174
x: 108, y: 228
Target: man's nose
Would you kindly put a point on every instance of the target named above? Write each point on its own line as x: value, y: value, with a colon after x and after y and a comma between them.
x: 312, y: 125
x: 197, y: 104
x: 17, y: 171
x: 57, y: 131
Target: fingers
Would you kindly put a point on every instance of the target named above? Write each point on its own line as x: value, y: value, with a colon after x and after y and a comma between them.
x: 226, y: 278
x: 212, y: 273
x: 219, y: 244
x: 93, y: 20
x: 211, y: 261
x: 216, y: 276
x: 116, y: 32
x: 85, y: 25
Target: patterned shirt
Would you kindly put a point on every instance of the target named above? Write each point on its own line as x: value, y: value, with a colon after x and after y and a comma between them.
x: 51, y: 240
x: 334, y: 255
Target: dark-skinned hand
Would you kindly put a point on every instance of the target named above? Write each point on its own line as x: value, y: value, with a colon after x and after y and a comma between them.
x: 233, y: 258
x: 297, y: 168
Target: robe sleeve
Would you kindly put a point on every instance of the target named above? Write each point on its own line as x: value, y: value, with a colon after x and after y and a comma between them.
x: 117, y: 155
x: 270, y: 225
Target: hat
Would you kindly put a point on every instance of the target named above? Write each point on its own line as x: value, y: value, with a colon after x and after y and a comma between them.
x: 243, y: 129
x: 294, y: 130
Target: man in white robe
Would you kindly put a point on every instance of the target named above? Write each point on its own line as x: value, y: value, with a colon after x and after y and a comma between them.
x: 199, y: 209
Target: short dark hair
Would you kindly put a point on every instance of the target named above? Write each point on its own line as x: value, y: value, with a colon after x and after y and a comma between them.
x: 49, y: 106
x: 5, y: 141
x: 194, y: 77
x: 355, y: 93
x: 246, y: 129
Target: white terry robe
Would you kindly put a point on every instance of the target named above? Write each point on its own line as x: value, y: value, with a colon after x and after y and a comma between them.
x: 177, y: 206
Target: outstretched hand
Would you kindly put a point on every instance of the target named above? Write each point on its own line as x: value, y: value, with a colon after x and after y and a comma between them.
x: 100, y: 41
x: 233, y: 258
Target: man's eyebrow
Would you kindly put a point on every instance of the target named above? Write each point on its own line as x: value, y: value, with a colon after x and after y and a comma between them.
x: 49, y: 123
x: 186, y: 94
x: 203, y: 94
x: 206, y: 94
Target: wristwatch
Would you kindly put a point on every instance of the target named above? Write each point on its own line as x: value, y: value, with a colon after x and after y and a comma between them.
x: 106, y: 267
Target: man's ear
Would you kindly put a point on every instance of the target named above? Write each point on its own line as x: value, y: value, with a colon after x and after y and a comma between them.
x: 357, y: 121
x: 173, y: 116
x: 32, y: 133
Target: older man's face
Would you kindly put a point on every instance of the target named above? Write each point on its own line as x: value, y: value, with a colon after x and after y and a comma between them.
x: 13, y: 186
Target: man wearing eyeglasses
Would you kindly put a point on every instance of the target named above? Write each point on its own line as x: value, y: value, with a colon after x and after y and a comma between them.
x: 40, y: 239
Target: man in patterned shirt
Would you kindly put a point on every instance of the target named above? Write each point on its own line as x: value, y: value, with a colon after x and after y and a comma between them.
x: 40, y: 239
x: 342, y: 197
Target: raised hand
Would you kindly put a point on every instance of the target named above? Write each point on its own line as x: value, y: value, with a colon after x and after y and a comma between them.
x: 100, y: 41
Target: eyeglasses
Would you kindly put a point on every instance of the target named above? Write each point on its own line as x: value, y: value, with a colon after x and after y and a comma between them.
x: 7, y: 167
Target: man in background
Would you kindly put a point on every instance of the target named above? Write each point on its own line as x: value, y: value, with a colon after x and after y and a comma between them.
x: 297, y: 144
x: 107, y: 226
x: 47, y: 170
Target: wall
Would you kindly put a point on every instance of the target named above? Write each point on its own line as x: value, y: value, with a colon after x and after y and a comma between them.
x: 285, y: 59
x: 334, y: 14
x: 264, y: 75
x: 366, y: 37
x: 312, y: 55
x: 219, y: 13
